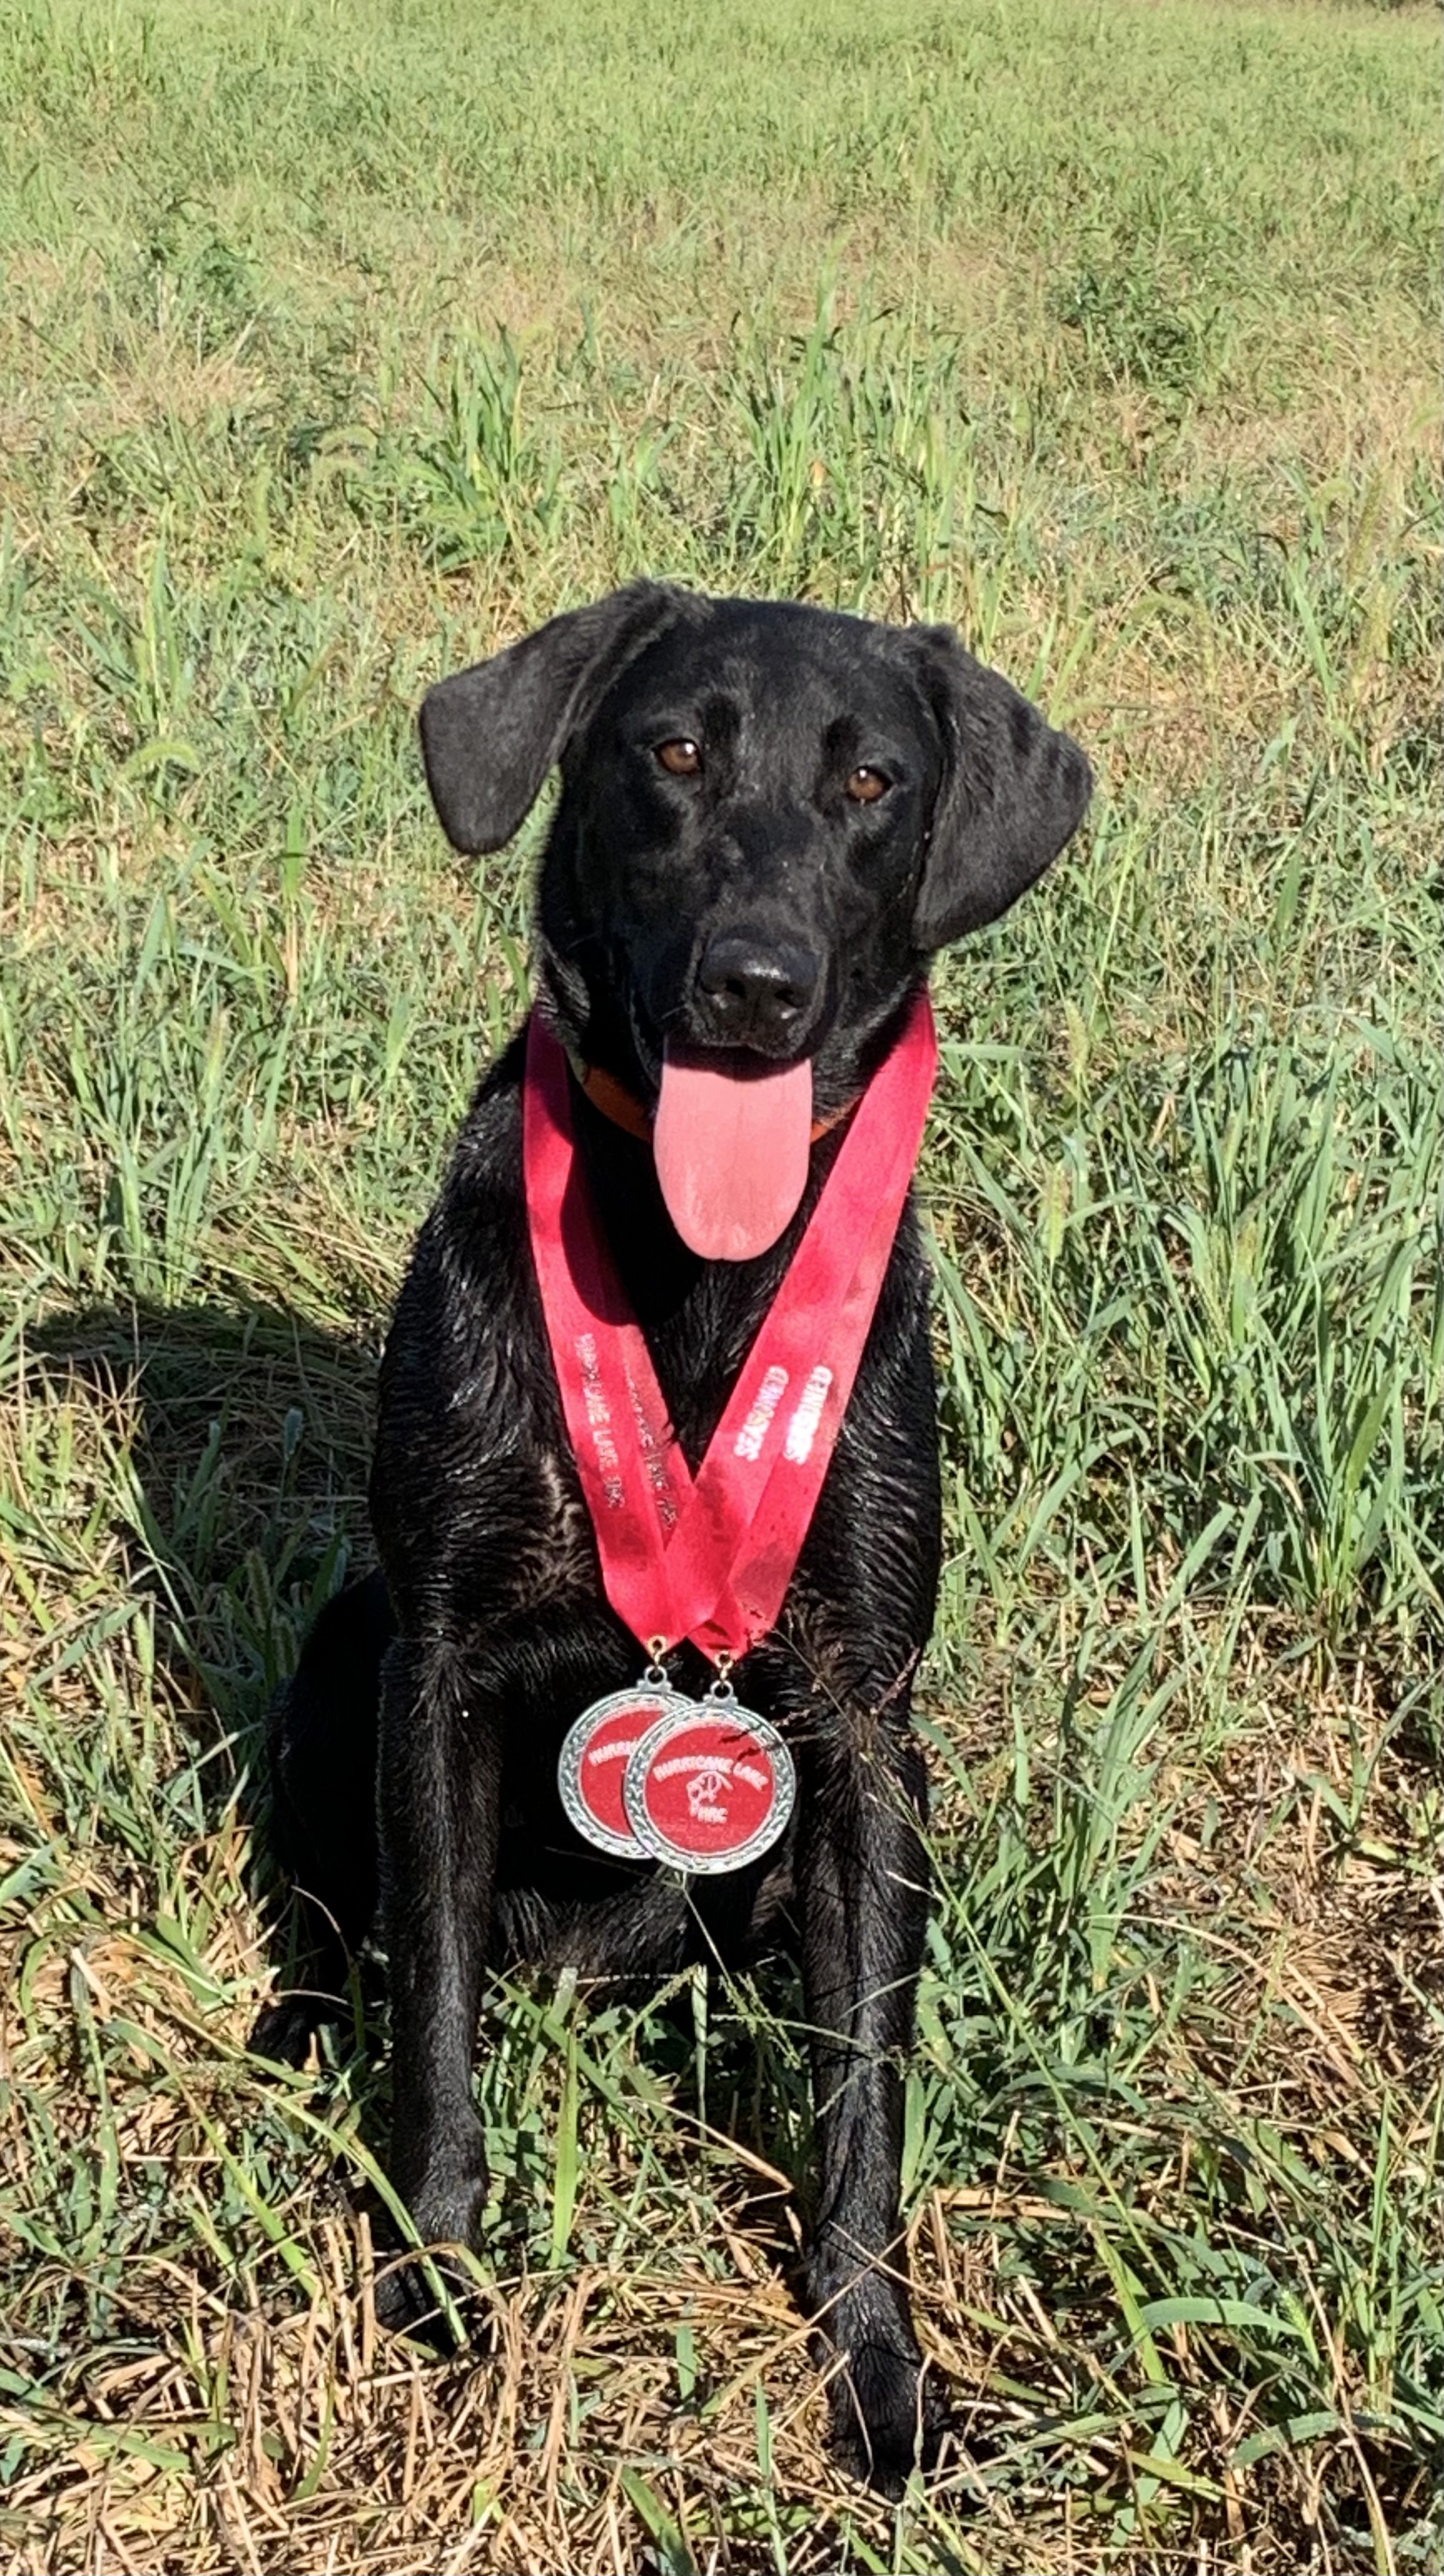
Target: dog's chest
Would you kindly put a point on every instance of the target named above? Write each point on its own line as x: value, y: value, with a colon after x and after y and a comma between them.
x: 699, y: 1346
x: 553, y: 1546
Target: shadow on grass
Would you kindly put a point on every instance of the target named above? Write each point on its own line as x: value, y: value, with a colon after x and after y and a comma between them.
x: 242, y: 1436
x: 247, y: 1430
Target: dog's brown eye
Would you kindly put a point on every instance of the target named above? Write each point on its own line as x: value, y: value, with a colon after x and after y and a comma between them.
x: 866, y: 785
x: 681, y: 758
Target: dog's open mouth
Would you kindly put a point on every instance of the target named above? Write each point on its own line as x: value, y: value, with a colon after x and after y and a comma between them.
x: 731, y: 1145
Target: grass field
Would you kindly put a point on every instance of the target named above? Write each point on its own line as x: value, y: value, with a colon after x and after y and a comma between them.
x: 340, y: 345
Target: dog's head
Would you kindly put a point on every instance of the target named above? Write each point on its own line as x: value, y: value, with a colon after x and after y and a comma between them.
x: 771, y: 817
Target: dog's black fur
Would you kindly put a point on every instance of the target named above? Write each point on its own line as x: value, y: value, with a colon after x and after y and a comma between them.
x: 759, y: 905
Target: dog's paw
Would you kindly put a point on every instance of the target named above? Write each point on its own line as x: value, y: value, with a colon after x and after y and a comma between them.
x: 283, y: 2031
x: 889, y: 2413
x: 432, y: 2299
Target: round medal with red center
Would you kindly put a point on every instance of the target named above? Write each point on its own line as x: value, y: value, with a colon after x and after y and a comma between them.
x: 710, y: 1788
x: 593, y: 1763
x: 704, y: 1785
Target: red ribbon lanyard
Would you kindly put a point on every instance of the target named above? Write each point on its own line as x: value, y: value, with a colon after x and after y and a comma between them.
x: 712, y: 1559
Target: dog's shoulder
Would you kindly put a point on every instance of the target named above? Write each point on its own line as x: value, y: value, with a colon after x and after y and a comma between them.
x: 470, y: 1459
x: 482, y: 1196
x: 467, y: 1320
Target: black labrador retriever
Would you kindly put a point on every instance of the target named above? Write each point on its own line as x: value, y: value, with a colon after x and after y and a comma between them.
x: 770, y: 819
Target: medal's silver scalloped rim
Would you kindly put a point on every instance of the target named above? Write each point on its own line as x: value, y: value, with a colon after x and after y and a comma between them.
x: 655, y: 1846
x: 569, y: 1764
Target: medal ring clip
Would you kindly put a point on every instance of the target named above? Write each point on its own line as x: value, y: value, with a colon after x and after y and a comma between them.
x: 655, y: 1675
x: 721, y: 1690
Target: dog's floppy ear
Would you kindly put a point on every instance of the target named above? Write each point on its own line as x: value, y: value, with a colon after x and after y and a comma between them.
x: 1013, y: 792
x: 489, y: 736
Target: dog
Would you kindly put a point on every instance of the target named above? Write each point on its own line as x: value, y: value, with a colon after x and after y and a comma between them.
x: 771, y: 818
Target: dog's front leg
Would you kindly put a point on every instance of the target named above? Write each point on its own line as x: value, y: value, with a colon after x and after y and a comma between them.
x: 863, y: 1884
x: 438, y: 1809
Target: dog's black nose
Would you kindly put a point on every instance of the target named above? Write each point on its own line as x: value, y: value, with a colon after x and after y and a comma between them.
x: 756, y: 988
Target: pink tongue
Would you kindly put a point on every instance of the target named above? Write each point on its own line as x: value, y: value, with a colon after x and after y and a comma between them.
x: 731, y: 1152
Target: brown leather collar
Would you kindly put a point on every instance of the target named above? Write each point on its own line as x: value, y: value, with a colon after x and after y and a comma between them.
x: 613, y: 1099
x: 626, y: 1111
